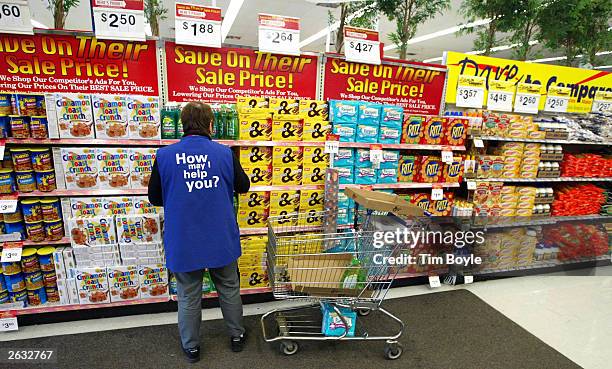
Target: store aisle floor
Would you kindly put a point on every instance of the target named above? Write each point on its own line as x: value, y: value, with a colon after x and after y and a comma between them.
x: 571, y: 314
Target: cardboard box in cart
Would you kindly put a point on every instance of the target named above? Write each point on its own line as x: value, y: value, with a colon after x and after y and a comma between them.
x: 382, y: 201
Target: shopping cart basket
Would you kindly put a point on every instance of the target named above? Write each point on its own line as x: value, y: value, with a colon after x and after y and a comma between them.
x: 340, y: 275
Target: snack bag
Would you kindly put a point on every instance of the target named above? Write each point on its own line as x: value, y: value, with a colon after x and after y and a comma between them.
x: 432, y: 131
x: 144, y: 117
x: 80, y: 168
x: 369, y: 114
x: 314, y: 110
x: 281, y: 106
x: 110, y: 116
x: 347, y: 132
x: 141, y: 166
x: 316, y: 130
x: 74, y: 115
x: 344, y: 111
x: 287, y: 128
x: 411, y: 133
x: 254, y: 155
x: 113, y: 167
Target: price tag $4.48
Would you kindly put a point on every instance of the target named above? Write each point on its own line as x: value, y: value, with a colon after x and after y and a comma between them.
x: 499, y: 100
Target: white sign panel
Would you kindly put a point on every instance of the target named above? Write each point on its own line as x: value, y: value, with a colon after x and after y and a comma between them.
x: 279, y: 34
x: 15, y: 17
x: 197, y: 25
x: 119, y: 19
x: 361, y: 45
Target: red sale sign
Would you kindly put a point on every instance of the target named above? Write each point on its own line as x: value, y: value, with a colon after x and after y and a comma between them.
x: 417, y: 87
x: 58, y: 63
x: 219, y: 75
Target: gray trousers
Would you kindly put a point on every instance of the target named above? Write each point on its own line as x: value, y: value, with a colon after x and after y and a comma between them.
x: 189, y: 294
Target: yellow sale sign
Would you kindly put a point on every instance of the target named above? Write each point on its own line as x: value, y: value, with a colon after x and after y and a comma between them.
x: 584, y: 83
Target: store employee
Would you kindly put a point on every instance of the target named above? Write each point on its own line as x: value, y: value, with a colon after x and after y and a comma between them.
x: 195, y: 180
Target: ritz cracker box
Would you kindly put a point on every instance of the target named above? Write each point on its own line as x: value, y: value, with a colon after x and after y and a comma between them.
x: 153, y: 280
x: 74, y: 115
x: 92, y: 285
x: 110, y: 116
x: 79, y: 169
x: 123, y: 283
x: 141, y: 165
x: 144, y: 117
x: 113, y: 167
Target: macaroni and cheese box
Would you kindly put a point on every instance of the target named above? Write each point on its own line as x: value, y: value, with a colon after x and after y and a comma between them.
x: 110, y: 116
x: 411, y: 131
x: 313, y: 175
x: 287, y: 175
x: 92, y: 285
x: 80, y: 168
x: 251, y: 102
x: 316, y: 131
x: 254, y: 155
x: 346, y: 131
x: 252, y: 218
x: 74, y: 115
x: 432, y: 131
x: 287, y: 155
x: 284, y: 200
x: 113, y: 167
x: 258, y: 200
x: 344, y: 111
x: 287, y: 128
x: 311, y: 199
x: 138, y: 228
x: 255, y: 126
x: 259, y: 176
x: 315, y: 156
x: 144, y: 117
x: 314, y: 110
x: 124, y: 283
x: 282, y: 106
x: 141, y: 166
x: 153, y: 279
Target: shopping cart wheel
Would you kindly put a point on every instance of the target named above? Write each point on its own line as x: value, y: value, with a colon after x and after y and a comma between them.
x: 364, y: 312
x: 289, y: 347
x: 393, y: 351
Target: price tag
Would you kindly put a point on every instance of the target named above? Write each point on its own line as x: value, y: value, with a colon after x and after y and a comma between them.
x: 602, y: 102
x: 332, y: 144
x: 478, y: 143
x: 470, y: 92
x: 11, y: 252
x: 8, y: 204
x: 434, y: 281
x: 527, y: 98
x: 2, y: 147
x: 376, y: 155
x: 197, y: 25
x: 468, y: 279
x: 471, y: 185
x: 119, y: 19
x: 447, y: 155
x: 279, y: 34
x: 437, y: 193
x: 15, y: 17
x: 501, y: 94
x: 8, y: 323
x: 361, y: 45
x: 557, y: 99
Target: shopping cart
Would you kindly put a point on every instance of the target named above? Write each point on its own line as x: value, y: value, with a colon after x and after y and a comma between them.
x: 339, y: 274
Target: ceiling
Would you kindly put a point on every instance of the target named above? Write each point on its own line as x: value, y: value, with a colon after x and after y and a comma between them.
x: 314, y: 18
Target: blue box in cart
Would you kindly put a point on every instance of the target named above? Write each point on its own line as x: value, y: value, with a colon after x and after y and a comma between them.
x: 389, y: 133
x: 367, y: 133
x: 344, y: 111
x: 365, y: 176
x: 362, y: 158
x: 369, y: 113
x: 390, y: 159
x: 344, y: 158
x: 387, y: 175
x: 333, y: 325
x: 346, y: 175
x: 346, y: 131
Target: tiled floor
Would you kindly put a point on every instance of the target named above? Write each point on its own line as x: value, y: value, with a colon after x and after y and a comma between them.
x: 573, y: 314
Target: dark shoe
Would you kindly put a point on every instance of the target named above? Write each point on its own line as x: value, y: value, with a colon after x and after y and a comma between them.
x: 238, y: 342
x: 192, y: 355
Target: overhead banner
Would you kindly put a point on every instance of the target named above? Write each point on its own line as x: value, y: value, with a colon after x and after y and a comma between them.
x: 584, y: 83
x: 418, y: 88
x: 57, y: 63
x: 219, y: 75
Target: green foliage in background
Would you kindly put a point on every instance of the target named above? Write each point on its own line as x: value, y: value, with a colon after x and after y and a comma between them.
x: 357, y: 14
x: 60, y: 9
x: 154, y: 12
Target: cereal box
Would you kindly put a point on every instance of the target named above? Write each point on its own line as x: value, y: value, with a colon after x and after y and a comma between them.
x: 255, y: 126
x: 254, y: 155
x: 252, y: 218
x: 153, y: 280
x: 406, y: 168
x: 74, y: 115
x: 313, y: 175
x: 138, y: 228
x: 316, y: 130
x: 113, y: 167
x: 429, y: 169
x: 455, y: 131
x: 143, y: 206
x: 287, y: 128
x: 287, y: 175
x: 141, y: 164
x: 282, y: 106
x: 110, y: 116
x: 92, y: 231
x: 123, y: 283
x: 432, y: 131
x: 285, y: 200
x: 411, y: 132
x: 83, y: 207
x: 80, y: 168
x: 119, y: 205
x: 92, y: 285
x: 311, y: 199
x: 259, y: 176
x: 314, y: 110
x: 254, y: 200
x: 144, y: 117
x: 251, y: 102
x: 287, y: 155
x: 315, y: 156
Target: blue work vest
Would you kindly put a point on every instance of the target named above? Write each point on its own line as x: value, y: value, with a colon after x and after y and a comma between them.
x: 200, y: 230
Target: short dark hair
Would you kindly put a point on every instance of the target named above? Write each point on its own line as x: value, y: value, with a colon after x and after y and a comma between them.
x: 197, y: 118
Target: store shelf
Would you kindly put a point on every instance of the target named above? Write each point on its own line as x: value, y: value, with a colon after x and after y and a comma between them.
x: 398, y: 185
x: 63, y: 241
x: 560, y: 179
x: 106, y: 142
x: 64, y: 193
x: 543, y: 140
x: 243, y: 291
x: 544, y: 221
x: 48, y: 308
x: 543, y: 264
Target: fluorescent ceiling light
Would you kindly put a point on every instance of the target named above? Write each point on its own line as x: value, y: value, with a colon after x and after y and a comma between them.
x: 603, y: 67
x: 439, y: 58
x: 556, y: 58
x: 37, y: 24
x: 230, y: 17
